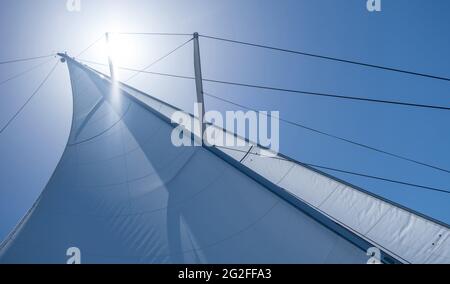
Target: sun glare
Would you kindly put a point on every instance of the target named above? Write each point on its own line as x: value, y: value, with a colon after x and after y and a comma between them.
x: 120, y: 50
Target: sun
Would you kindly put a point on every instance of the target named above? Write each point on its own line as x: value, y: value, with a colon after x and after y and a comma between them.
x: 119, y: 50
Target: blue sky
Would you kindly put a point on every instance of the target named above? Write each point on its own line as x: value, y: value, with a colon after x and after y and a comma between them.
x: 408, y: 34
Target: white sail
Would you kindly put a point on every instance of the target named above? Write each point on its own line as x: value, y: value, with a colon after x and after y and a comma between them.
x: 122, y: 193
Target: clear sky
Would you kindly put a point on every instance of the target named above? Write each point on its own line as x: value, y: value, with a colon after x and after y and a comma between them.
x: 408, y: 34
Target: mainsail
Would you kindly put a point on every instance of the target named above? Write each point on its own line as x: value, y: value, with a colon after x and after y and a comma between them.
x: 123, y: 193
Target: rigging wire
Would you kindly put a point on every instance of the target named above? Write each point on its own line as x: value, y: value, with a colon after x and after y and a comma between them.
x: 436, y: 107
x: 25, y: 59
x: 152, y: 34
x: 331, y: 135
x: 341, y: 171
x: 159, y: 59
x: 24, y: 72
x: 420, y: 74
x: 142, y: 71
x: 90, y: 46
x: 124, y: 33
x: 330, y: 58
x: 29, y: 99
x: 327, y: 95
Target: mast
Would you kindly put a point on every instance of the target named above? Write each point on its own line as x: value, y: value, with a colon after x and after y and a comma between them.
x: 199, y: 86
x: 110, y: 61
